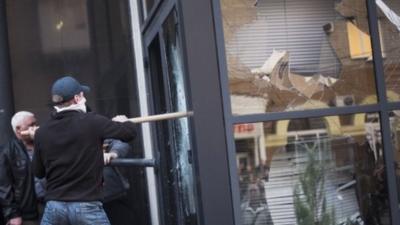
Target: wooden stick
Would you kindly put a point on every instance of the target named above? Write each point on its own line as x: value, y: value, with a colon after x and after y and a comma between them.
x: 159, y: 117
x: 142, y: 119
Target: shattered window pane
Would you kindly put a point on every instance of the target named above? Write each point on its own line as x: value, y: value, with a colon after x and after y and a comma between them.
x: 290, y: 169
x: 181, y: 155
x: 389, y: 28
x: 286, y: 55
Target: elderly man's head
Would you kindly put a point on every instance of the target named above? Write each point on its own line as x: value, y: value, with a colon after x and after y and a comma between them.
x: 22, y: 121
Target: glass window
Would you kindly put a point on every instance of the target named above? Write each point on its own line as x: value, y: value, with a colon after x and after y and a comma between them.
x: 285, y: 55
x: 395, y: 124
x: 174, y: 136
x: 312, y: 171
x: 181, y: 144
x: 389, y: 28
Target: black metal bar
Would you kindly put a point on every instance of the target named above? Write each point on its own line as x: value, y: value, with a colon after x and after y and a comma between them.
x: 211, y: 159
x: 6, y: 93
x: 156, y: 24
x: 305, y: 114
x: 133, y: 162
x: 394, y: 106
x: 229, y: 119
x: 384, y: 114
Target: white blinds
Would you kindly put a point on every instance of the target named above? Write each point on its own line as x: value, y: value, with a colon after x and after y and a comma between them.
x: 295, y: 26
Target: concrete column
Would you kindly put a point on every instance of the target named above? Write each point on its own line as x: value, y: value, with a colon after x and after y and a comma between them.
x: 6, y: 93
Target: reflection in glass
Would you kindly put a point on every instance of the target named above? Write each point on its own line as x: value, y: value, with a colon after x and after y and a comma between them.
x: 395, y: 124
x: 287, y: 55
x: 312, y: 171
x: 389, y: 28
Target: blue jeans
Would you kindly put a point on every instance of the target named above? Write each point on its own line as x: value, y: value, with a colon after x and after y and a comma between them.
x: 74, y: 213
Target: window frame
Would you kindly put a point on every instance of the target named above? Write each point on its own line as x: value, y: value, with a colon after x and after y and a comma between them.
x: 382, y: 107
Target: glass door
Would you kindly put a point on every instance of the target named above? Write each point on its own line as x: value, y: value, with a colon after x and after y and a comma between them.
x: 166, y: 80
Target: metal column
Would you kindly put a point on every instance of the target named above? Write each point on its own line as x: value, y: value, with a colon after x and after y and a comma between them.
x: 6, y: 94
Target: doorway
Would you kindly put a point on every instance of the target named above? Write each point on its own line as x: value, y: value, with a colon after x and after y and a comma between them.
x: 167, y: 82
x: 90, y: 40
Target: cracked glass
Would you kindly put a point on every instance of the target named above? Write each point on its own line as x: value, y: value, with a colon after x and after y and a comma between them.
x: 183, y: 168
x: 312, y: 171
x: 389, y: 30
x: 285, y: 55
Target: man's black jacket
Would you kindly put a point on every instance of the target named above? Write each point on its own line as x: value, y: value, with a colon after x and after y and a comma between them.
x: 17, y: 187
x: 68, y: 152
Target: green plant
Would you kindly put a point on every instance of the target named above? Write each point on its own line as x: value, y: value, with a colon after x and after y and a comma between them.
x: 309, y: 195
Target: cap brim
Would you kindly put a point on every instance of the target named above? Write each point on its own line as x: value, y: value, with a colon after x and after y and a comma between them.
x: 85, y: 89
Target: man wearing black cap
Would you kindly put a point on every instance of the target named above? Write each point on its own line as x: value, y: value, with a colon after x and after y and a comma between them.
x: 69, y: 154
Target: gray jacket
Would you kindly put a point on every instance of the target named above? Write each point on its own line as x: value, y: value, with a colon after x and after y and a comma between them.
x: 115, y: 184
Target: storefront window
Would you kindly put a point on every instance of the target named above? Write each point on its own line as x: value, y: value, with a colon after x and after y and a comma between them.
x: 312, y: 171
x: 286, y: 55
x: 389, y: 28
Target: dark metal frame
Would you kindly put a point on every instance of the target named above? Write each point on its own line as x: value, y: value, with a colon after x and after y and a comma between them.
x: 229, y: 119
x: 6, y: 91
x: 151, y: 14
x: 209, y: 128
x: 383, y: 107
x: 155, y: 138
x: 384, y: 112
x: 152, y: 29
x: 204, y: 90
x: 134, y: 162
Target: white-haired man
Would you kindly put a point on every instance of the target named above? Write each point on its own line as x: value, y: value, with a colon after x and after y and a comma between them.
x: 17, y: 183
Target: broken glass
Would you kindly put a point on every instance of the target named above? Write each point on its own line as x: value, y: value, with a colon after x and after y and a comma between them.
x: 285, y: 55
x: 183, y: 168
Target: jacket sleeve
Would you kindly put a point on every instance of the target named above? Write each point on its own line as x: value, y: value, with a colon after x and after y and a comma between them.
x: 121, y: 148
x: 7, y: 198
x: 109, y: 129
x: 37, y: 162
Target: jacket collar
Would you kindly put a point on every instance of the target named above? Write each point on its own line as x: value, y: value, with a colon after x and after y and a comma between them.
x: 63, y: 114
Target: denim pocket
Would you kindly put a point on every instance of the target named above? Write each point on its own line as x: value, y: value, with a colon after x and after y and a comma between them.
x: 91, y: 206
x: 50, y: 215
x: 93, y: 213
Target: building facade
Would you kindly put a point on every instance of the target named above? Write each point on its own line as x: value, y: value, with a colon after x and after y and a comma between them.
x: 296, y: 103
